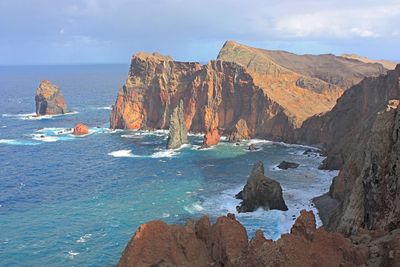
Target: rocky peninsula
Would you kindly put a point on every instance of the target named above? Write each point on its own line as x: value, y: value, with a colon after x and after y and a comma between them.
x: 347, y: 107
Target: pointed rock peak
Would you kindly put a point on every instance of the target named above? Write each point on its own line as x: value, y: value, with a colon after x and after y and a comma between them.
x: 177, y: 129
x: 155, y: 56
x: 46, y: 88
x: 258, y: 168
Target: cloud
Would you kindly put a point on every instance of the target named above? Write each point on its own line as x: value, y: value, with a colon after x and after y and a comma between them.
x: 81, y: 30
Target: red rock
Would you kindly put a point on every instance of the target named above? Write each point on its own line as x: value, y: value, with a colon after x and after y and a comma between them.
x: 211, y: 138
x: 225, y: 244
x: 80, y: 129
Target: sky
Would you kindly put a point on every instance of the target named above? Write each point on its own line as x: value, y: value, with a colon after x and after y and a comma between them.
x: 39, y: 32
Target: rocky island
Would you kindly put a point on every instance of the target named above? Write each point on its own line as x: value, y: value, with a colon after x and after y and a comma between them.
x: 177, y: 129
x: 49, y: 100
x: 260, y: 192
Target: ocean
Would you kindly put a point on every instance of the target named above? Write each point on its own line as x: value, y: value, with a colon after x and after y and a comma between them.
x: 77, y: 201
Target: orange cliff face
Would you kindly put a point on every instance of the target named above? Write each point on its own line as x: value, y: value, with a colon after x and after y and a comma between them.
x: 215, y: 96
x: 272, y: 93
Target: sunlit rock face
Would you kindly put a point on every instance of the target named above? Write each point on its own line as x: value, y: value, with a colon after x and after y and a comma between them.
x: 49, y: 100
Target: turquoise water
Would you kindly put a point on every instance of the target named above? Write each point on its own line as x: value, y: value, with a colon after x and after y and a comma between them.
x: 76, y: 201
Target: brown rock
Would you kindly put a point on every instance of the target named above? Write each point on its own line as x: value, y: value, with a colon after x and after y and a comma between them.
x: 273, y: 96
x: 49, y: 100
x: 80, y: 129
x: 260, y: 191
x: 361, y: 136
x: 240, y: 132
x: 225, y: 244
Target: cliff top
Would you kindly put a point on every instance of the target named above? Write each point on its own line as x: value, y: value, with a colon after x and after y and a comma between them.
x: 155, y: 56
x: 390, y: 65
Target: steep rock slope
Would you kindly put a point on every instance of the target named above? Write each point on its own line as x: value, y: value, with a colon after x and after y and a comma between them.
x: 245, y: 85
x: 304, y: 85
x: 361, y: 135
x: 215, y: 96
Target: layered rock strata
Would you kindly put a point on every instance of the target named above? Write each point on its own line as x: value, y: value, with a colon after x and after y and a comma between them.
x: 360, y: 135
x: 244, y: 88
x: 49, y: 100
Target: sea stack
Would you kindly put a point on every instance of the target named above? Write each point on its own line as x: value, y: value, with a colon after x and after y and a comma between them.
x: 177, y: 129
x: 260, y: 191
x: 49, y: 100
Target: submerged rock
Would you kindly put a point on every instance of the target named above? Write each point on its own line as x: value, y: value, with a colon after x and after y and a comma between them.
x: 284, y: 165
x: 49, y: 100
x: 80, y: 129
x: 253, y: 147
x: 177, y: 129
x: 260, y: 191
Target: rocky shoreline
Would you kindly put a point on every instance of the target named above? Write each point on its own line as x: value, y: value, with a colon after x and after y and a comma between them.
x: 245, y: 94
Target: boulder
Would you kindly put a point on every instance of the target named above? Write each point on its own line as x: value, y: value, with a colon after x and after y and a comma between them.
x: 177, y: 129
x: 284, y: 165
x: 49, y: 100
x: 260, y: 191
x: 80, y: 129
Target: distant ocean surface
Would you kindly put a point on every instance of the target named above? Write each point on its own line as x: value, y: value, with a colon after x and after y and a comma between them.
x: 77, y: 201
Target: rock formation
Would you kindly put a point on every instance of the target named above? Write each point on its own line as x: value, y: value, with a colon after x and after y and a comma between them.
x: 245, y: 88
x: 225, y: 243
x: 239, y: 132
x: 177, y: 128
x: 284, y: 165
x: 360, y: 135
x: 260, y: 191
x: 80, y: 129
x: 49, y: 100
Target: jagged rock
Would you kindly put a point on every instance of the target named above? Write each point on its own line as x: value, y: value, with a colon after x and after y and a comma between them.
x: 361, y: 137
x: 284, y: 165
x: 211, y: 138
x: 177, y: 128
x: 260, y: 191
x: 225, y: 244
x: 49, y: 100
x: 253, y: 86
x: 239, y: 132
x: 80, y: 129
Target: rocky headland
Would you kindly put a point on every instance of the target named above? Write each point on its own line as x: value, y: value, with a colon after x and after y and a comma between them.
x: 245, y: 93
x: 49, y: 100
x: 347, y: 107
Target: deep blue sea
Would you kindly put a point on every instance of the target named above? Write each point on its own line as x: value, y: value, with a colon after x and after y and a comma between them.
x: 76, y: 201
